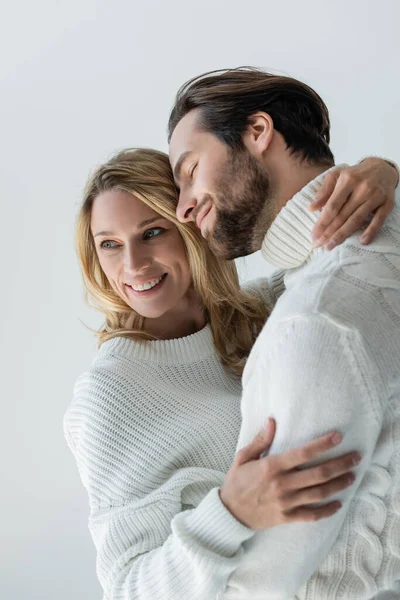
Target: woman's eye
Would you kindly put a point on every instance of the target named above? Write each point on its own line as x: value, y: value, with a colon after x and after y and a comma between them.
x: 154, y: 232
x: 108, y: 245
x: 192, y: 170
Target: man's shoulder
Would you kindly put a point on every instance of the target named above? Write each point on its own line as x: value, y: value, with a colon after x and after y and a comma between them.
x: 358, y: 292
x: 329, y: 294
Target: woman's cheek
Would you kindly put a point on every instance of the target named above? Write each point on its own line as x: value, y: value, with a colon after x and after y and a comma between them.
x: 109, y: 271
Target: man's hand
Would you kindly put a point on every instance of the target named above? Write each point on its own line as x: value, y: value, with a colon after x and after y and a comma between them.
x: 349, y: 196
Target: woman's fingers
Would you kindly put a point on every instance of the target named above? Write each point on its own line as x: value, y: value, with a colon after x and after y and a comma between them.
x: 377, y: 223
x: 326, y: 190
x: 370, y: 184
x: 339, y: 197
x: 315, y: 476
x: 318, y: 493
x: 352, y: 217
x: 344, y: 215
x: 305, y: 513
x: 259, y: 445
x: 345, y: 225
x: 299, y: 457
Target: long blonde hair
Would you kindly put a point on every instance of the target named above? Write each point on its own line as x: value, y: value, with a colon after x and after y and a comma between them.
x: 235, y: 316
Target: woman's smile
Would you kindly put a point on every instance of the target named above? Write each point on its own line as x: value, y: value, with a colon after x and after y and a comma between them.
x: 148, y: 287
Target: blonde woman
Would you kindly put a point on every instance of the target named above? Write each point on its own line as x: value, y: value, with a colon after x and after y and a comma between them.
x: 153, y: 424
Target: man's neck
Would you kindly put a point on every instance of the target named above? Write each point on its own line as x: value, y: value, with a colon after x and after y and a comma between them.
x: 292, y: 178
x: 288, y: 242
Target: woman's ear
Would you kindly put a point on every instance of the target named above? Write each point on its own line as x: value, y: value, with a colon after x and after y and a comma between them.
x: 259, y: 133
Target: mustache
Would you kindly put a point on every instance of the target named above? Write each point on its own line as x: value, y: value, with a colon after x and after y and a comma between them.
x: 199, y: 207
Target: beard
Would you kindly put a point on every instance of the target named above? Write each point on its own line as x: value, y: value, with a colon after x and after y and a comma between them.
x: 244, y: 207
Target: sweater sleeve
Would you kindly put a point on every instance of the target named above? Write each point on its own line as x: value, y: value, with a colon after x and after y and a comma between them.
x: 269, y: 288
x: 318, y: 378
x: 149, y: 547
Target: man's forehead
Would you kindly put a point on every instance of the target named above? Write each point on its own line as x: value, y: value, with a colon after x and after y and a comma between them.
x: 184, y: 136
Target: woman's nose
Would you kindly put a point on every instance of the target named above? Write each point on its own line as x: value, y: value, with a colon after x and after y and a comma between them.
x: 136, y: 260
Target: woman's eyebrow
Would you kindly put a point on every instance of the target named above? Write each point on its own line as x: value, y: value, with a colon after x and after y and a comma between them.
x: 148, y: 221
x: 103, y: 233
x: 142, y: 224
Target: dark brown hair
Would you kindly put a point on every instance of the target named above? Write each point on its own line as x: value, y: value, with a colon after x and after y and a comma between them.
x: 227, y: 99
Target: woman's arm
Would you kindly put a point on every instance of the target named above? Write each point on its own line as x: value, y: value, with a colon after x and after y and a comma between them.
x: 269, y: 288
x: 149, y: 547
x: 350, y: 195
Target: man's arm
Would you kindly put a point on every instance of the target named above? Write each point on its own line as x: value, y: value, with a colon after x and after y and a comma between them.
x: 314, y: 377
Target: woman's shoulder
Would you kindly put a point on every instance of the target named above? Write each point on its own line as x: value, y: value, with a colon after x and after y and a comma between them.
x: 117, y: 369
x: 102, y: 426
x: 102, y: 393
x: 128, y: 378
x: 107, y: 371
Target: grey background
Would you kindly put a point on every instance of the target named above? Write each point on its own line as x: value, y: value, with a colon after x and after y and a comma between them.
x: 79, y: 80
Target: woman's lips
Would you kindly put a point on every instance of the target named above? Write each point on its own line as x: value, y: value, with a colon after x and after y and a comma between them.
x: 142, y: 293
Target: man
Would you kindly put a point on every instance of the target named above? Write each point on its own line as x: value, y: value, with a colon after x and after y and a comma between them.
x: 250, y: 152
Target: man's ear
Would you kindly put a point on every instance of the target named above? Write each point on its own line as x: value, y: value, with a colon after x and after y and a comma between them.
x: 259, y: 133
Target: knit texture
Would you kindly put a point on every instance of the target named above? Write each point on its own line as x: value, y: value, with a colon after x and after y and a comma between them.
x: 329, y: 359
x: 153, y: 427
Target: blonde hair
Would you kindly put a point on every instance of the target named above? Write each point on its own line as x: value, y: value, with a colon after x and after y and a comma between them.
x: 235, y: 316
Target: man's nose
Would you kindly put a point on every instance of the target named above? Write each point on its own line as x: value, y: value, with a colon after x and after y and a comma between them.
x: 186, y: 205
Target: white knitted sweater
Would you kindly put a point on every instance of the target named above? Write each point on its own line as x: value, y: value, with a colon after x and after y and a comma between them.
x: 328, y: 359
x: 153, y: 427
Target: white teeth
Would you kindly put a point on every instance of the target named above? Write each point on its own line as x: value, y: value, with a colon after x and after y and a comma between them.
x: 146, y: 286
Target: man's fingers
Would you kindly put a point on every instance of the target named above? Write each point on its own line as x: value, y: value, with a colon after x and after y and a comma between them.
x: 318, y: 493
x: 317, y: 513
x: 299, y: 457
x: 326, y: 190
x: 376, y: 224
x: 314, y: 476
x: 259, y: 445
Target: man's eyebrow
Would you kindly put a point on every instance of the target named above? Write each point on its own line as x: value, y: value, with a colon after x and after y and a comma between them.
x: 178, y: 166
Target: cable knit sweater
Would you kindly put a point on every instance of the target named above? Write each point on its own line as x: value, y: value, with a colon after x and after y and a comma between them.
x: 328, y: 359
x: 153, y: 427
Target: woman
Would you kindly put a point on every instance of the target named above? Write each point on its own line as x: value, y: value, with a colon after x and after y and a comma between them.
x: 154, y: 423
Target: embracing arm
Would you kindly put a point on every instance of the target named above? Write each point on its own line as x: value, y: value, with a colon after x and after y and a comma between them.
x: 149, y: 547
x: 269, y: 288
x: 156, y: 551
x: 351, y: 195
x: 310, y: 392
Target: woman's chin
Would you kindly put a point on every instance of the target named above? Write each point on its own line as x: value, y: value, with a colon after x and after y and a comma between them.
x: 150, y: 312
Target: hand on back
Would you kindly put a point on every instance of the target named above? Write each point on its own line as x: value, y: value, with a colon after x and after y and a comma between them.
x: 265, y: 491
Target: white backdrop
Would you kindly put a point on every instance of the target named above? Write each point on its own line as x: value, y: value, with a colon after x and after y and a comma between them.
x: 79, y: 80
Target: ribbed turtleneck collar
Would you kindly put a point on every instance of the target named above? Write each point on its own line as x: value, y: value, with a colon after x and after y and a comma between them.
x: 288, y: 242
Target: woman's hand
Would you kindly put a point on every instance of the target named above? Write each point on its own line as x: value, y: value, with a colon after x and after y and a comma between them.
x: 262, y: 492
x: 349, y: 195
